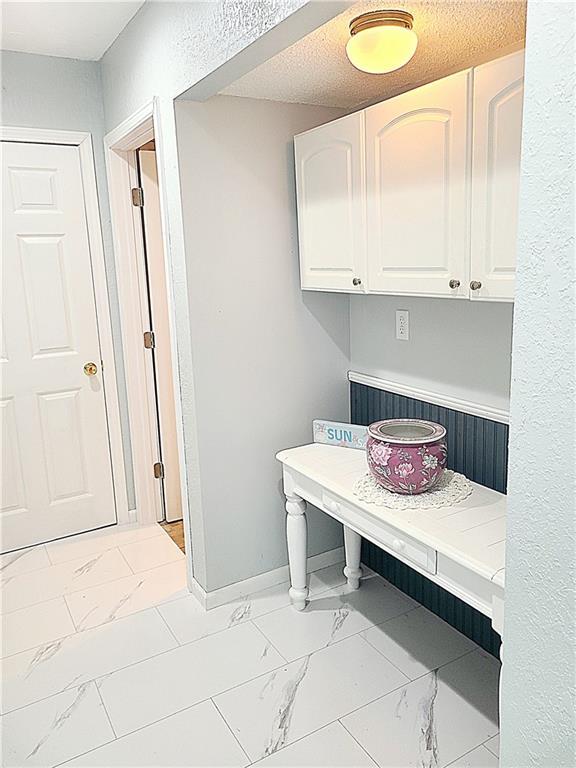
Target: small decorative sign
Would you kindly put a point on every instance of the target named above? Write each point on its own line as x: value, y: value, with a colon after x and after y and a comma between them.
x: 338, y: 433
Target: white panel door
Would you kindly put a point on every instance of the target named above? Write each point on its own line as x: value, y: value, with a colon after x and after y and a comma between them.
x: 331, y: 205
x: 56, y: 469
x: 498, y: 100
x: 417, y: 174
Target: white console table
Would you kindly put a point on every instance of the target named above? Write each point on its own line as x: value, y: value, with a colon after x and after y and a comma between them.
x: 460, y: 547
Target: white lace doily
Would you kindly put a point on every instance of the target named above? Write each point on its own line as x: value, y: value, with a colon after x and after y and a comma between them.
x: 451, y: 488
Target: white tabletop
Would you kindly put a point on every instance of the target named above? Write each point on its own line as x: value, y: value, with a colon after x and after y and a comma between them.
x: 472, y: 532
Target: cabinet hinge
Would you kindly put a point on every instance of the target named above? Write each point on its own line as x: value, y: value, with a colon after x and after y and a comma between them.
x: 149, y: 340
x: 159, y: 470
x: 138, y: 197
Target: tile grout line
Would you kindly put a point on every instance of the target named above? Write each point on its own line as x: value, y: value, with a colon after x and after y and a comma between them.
x: 149, y: 658
x: 265, y: 636
x: 191, y: 642
x: 203, y: 701
x: 469, y: 752
x: 106, y: 712
x: 115, y: 545
x: 383, y: 696
x: 140, y: 573
x: 158, y: 605
x: 126, y: 560
x: 285, y: 662
x: 156, y: 608
x: 214, y: 695
x: 485, y: 743
x: 307, y: 735
x: 73, y: 592
x: 362, y: 747
x: 412, y: 679
x: 71, y: 618
x: 92, y: 586
x: 227, y: 724
x: 211, y: 698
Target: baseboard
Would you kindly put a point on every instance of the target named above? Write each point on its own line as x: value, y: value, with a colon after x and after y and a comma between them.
x: 436, y: 398
x: 265, y: 580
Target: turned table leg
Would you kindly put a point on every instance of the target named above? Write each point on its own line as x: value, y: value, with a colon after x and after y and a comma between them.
x: 296, y: 534
x: 352, y: 545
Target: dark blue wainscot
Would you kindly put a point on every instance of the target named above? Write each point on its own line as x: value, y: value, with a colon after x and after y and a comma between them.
x: 478, y: 448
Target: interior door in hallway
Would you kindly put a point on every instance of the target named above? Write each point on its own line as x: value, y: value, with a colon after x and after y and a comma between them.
x: 56, y: 466
x: 160, y: 323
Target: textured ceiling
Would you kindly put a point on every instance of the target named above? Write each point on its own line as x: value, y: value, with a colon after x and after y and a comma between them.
x: 452, y: 35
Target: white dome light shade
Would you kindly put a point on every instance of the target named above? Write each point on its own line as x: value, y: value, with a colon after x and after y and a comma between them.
x: 381, y: 41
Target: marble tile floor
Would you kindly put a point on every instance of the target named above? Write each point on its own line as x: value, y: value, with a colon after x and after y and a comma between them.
x: 107, y: 660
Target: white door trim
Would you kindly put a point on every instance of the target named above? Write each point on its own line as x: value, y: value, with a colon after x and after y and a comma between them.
x: 84, y: 143
x: 120, y: 149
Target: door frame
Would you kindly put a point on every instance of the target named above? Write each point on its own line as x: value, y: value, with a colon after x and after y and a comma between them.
x: 120, y: 147
x: 83, y: 141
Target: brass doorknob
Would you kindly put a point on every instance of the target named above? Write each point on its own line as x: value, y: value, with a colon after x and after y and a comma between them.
x: 90, y: 369
x: 454, y: 284
x: 475, y: 285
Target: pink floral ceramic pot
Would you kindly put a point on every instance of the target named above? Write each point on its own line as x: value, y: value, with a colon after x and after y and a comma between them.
x: 406, y: 455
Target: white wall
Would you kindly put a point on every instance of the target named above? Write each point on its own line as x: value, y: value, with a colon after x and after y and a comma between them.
x: 539, y: 682
x: 456, y: 348
x: 268, y: 358
x: 66, y: 94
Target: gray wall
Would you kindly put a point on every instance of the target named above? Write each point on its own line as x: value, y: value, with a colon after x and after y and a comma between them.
x: 539, y: 682
x: 164, y: 50
x: 456, y: 348
x: 66, y: 94
x: 268, y: 358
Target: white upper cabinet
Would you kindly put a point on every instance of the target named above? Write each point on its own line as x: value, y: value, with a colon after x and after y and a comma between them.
x: 417, y: 180
x: 417, y: 195
x: 330, y: 187
x: 498, y: 98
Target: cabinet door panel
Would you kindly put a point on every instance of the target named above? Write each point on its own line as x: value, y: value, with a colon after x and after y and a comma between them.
x: 331, y: 218
x: 417, y: 180
x: 498, y: 100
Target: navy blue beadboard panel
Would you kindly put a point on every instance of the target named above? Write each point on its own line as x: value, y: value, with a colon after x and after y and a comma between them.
x: 478, y: 448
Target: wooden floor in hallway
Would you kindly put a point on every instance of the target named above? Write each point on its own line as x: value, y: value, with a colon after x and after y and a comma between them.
x: 176, y: 532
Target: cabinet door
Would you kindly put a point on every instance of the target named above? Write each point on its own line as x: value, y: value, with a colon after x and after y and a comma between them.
x: 417, y: 179
x: 331, y: 205
x: 498, y: 98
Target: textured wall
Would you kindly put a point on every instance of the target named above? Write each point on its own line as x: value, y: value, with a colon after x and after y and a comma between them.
x: 167, y: 47
x: 457, y: 348
x: 269, y: 358
x: 57, y: 93
x: 539, y: 704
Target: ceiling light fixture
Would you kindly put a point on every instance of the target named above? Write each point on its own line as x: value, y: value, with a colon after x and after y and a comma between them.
x: 381, y: 41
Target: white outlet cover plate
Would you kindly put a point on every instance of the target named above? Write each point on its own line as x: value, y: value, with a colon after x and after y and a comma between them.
x: 402, y: 324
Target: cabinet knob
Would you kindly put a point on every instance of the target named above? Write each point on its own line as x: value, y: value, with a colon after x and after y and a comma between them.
x: 398, y: 545
x: 356, y: 281
x: 454, y: 283
x: 475, y: 285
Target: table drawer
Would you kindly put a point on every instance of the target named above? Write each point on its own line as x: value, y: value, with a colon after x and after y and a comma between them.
x: 386, y: 536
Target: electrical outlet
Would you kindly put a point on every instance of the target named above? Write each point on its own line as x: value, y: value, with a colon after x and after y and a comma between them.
x: 402, y: 324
